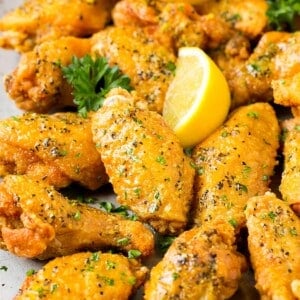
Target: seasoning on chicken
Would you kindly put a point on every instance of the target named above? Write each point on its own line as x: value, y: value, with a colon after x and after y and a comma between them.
x: 274, y: 247
x: 271, y: 72
x: 233, y: 164
x: 174, y: 24
x: 145, y: 162
x: 38, y: 222
x: 248, y: 17
x: 57, y: 149
x: 149, y: 65
x: 201, y: 263
x: 86, y: 275
x: 36, y: 21
x: 290, y: 178
x: 37, y: 84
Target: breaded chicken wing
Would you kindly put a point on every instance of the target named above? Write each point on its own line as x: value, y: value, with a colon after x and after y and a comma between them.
x: 145, y: 162
x: 36, y: 21
x: 233, y: 164
x: 36, y: 221
x: 57, y: 149
x: 86, y: 275
x: 274, y: 247
x: 271, y: 72
x: 290, y: 178
x: 248, y: 16
x: 37, y: 84
x: 149, y: 65
x: 200, y: 264
x: 174, y: 24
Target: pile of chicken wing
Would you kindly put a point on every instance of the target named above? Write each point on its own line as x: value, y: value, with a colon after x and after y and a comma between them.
x: 219, y: 202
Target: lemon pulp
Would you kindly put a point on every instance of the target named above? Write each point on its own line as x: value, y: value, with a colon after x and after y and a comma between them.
x: 198, y: 98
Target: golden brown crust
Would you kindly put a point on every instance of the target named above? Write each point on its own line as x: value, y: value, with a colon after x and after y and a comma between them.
x: 200, y: 264
x: 235, y: 163
x: 274, y: 246
x: 37, y: 84
x: 145, y: 163
x: 290, y: 179
x: 85, y: 276
x: 38, y: 222
x: 36, y: 21
x: 55, y: 148
x: 143, y: 59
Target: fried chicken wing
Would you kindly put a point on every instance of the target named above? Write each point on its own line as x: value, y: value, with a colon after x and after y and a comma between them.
x: 37, y: 84
x: 36, y: 221
x: 249, y: 16
x: 148, y: 64
x: 36, y: 21
x: 233, y: 164
x: 174, y: 24
x: 274, y: 247
x: 290, y: 178
x: 85, y: 276
x: 55, y: 148
x: 271, y: 72
x: 200, y: 264
x: 145, y: 162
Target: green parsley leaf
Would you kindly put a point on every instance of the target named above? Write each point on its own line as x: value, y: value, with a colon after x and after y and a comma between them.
x: 91, y: 80
x: 282, y: 13
x: 133, y: 253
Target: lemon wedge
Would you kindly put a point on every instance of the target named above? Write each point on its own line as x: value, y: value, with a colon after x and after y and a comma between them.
x: 198, y: 99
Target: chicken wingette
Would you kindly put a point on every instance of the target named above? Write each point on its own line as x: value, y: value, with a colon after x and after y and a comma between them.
x: 149, y: 65
x: 271, y: 72
x: 174, y: 24
x: 274, y: 247
x: 233, y: 164
x: 200, y: 264
x: 56, y: 148
x: 145, y: 162
x: 37, y: 84
x: 36, y: 221
x: 248, y: 17
x: 85, y: 275
x: 36, y: 21
x: 290, y: 178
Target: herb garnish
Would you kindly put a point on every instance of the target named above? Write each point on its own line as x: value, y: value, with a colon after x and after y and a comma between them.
x: 282, y: 13
x: 91, y: 80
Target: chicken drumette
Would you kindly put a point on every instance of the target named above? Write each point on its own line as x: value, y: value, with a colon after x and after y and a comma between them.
x: 56, y: 148
x: 274, y: 247
x: 36, y: 221
x: 36, y: 21
x: 37, y: 84
x: 98, y: 275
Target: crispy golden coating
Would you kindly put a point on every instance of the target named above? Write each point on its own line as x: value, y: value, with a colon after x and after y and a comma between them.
x: 149, y: 65
x: 271, y: 72
x: 201, y: 263
x: 36, y: 21
x: 36, y: 221
x: 274, y: 247
x: 233, y: 164
x: 57, y: 149
x: 290, y: 178
x: 37, y: 84
x: 86, y: 275
x: 249, y: 16
x: 174, y: 24
x: 145, y: 163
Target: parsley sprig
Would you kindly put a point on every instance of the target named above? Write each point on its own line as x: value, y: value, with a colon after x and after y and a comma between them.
x: 282, y: 13
x: 91, y: 80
